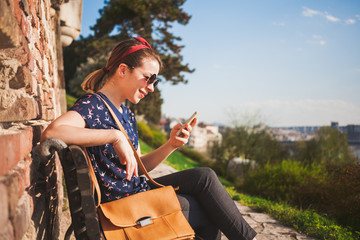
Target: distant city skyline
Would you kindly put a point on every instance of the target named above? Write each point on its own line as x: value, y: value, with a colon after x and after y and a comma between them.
x: 285, y: 63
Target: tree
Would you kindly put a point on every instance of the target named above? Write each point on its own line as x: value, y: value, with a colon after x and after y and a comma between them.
x: 329, y: 147
x: 122, y: 19
x: 252, y: 143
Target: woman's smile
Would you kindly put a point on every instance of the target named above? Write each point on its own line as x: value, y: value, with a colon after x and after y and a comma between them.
x: 142, y: 93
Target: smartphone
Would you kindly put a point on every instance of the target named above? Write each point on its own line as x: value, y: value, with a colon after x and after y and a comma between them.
x: 187, y: 121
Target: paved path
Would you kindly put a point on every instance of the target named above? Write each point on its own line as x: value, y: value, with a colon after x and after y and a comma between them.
x: 267, y: 227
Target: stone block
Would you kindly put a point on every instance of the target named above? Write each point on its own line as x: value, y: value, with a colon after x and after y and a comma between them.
x: 23, y: 108
x: 17, y: 11
x: 7, y: 99
x: 12, y: 185
x: 2, y: 84
x: 4, y: 206
x: 51, y: 114
x: 47, y: 100
x: 7, y: 231
x: 48, y: 114
x: 24, y: 5
x: 8, y: 69
x: 38, y: 74
x: 14, y: 148
x: 22, y: 78
x: 9, y: 28
x: 39, y: 45
x: 40, y: 92
x: 35, y: 20
x: 31, y: 86
x: 22, y: 175
x: 22, y: 217
x: 22, y: 54
x: 46, y: 86
x: 31, y: 62
x: 26, y: 26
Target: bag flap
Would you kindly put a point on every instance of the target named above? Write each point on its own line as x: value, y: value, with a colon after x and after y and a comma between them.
x: 154, y: 203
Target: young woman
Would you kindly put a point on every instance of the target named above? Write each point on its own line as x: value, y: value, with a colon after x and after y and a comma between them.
x: 130, y: 74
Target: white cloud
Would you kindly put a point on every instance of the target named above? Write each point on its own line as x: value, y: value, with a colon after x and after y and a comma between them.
x: 322, y: 42
x: 331, y: 18
x: 350, y: 21
x: 307, y: 12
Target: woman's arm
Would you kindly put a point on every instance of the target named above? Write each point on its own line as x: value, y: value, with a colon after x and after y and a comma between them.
x: 70, y: 128
x: 154, y: 158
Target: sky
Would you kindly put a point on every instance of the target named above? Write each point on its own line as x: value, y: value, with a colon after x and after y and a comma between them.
x: 281, y: 62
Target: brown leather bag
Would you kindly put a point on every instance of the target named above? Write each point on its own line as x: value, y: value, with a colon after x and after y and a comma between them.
x: 154, y: 214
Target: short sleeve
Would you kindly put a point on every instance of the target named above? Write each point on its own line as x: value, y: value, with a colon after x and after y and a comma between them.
x: 92, y: 110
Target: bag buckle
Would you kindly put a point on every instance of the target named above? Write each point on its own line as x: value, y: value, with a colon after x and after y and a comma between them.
x: 144, y: 221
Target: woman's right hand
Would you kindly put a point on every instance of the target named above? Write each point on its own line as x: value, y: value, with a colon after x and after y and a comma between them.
x: 126, y: 155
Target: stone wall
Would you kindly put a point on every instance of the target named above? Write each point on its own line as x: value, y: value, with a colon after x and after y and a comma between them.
x: 32, y: 93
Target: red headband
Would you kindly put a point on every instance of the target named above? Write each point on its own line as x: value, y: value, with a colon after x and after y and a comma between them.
x: 131, y: 50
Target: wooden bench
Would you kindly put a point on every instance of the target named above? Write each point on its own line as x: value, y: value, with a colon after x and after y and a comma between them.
x: 84, y: 218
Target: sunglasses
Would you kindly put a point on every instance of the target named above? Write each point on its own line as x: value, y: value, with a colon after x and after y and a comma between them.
x: 152, y: 80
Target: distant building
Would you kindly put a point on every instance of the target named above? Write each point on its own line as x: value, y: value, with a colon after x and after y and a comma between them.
x: 353, y: 134
x: 203, y: 137
x: 290, y: 135
x: 335, y: 125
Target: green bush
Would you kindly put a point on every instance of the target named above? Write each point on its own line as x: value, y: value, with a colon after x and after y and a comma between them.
x: 70, y: 101
x: 281, y: 181
x: 334, y: 191
x: 339, y: 198
x: 195, y: 155
x: 145, y: 132
x: 151, y: 134
x: 158, y: 139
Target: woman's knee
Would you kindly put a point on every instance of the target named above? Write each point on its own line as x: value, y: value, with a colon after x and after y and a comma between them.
x: 206, y: 175
x: 207, y: 172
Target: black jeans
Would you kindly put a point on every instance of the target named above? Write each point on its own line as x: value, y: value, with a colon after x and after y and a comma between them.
x: 207, y: 205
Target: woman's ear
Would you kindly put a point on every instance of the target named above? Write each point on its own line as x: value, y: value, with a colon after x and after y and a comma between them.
x: 121, y: 70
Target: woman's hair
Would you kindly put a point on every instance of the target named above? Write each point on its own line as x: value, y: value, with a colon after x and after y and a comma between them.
x: 95, y: 80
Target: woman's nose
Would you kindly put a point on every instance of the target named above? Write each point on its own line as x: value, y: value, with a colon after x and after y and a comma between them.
x: 150, y: 87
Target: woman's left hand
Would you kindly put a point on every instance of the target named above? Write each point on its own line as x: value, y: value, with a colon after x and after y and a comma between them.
x: 183, y: 138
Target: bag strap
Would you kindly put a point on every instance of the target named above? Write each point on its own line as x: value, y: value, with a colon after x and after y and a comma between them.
x: 138, y: 159
x: 95, y: 184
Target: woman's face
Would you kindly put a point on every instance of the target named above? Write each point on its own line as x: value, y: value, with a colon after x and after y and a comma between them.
x: 137, y: 86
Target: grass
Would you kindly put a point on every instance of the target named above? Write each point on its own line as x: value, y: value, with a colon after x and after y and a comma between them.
x: 304, y: 221
x: 180, y: 162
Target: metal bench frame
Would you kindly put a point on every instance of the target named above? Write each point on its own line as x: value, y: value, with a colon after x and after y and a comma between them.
x: 85, y: 222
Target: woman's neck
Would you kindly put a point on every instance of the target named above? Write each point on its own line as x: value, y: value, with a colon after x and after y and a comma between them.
x: 113, y: 95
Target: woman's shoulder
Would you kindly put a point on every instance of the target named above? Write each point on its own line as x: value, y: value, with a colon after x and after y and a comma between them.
x: 89, y: 100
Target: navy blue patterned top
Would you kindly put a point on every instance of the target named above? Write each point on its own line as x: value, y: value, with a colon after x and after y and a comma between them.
x: 110, y: 174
